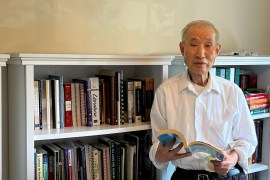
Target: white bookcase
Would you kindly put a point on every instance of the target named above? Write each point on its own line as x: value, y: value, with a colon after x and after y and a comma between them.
x: 3, y: 117
x: 24, y: 68
x: 261, y: 66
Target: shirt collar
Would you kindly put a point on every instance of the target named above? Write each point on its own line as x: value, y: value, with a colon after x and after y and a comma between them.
x: 186, y: 83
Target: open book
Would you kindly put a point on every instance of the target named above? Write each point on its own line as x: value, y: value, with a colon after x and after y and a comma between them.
x: 166, y: 135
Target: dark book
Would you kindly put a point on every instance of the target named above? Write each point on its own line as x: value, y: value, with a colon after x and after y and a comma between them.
x: 81, y: 160
x: 60, y: 78
x: 111, y: 80
x: 55, y: 103
x: 111, y: 144
x: 53, y: 161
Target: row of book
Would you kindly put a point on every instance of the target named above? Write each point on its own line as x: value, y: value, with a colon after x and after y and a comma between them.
x: 258, y: 103
x: 105, y: 98
x: 111, y: 158
x: 245, y: 79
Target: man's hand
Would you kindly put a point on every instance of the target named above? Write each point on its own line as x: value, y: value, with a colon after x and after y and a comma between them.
x: 165, y: 154
x: 222, y: 167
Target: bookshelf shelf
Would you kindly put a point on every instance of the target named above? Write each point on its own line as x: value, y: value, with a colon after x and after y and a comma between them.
x: 23, y: 69
x: 257, y: 167
x: 261, y: 116
x: 260, y: 66
x: 232, y: 60
x: 83, y: 131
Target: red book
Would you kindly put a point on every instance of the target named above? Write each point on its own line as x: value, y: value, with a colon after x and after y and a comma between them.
x: 253, y: 96
x: 67, y: 100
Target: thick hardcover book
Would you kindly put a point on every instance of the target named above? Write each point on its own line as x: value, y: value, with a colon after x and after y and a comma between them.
x: 55, y: 103
x: 37, y: 120
x: 111, y: 79
x: 130, y: 101
x: 61, y: 97
x: 102, y: 101
x: 83, y: 108
x: 68, y: 105
x: 138, y: 98
x: 68, y: 159
x: 43, y: 103
x: 45, y: 165
x: 259, y: 106
x: 81, y: 160
x: 39, y: 165
x: 89, y: 161
x: 107, y: 141
x: 105, y: 157
x: 149, y: 96
x: 253, y: 96
x: 165, y: 136
x: 73, y: 104
x: 53, y: 152
x: 94, y: 91
x: 78, y: 104
x: 259, y: 132
x: 259, y: 111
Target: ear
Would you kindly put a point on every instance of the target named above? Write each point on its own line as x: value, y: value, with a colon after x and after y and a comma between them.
x: 182, y: 48
x: 218, y: 48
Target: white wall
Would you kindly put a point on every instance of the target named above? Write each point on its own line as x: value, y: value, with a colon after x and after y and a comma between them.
x: 127, y: 26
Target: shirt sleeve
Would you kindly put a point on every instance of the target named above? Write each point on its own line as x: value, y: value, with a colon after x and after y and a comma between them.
x: 158, y: 122
x: 245, y: 139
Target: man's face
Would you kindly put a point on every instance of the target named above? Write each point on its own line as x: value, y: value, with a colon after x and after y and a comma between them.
x: 199, y: 49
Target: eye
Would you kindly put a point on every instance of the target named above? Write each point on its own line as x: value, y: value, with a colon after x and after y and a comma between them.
x: 208, y: 45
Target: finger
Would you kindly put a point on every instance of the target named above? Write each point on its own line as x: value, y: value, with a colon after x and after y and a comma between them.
x: 177, y: 148
x: 170, y: 143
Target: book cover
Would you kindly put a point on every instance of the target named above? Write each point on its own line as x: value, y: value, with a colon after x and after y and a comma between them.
x: 166, y: 135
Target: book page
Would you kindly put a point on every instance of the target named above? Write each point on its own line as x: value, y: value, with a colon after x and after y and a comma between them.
x: 194, y: 148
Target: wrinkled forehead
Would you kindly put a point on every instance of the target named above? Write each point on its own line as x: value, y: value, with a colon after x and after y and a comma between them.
x: 204, y: 34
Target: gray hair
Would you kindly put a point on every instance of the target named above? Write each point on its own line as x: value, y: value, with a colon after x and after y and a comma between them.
x: 203, y: 22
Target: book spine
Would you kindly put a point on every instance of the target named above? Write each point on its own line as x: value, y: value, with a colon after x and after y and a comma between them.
x: 78, y: 103
x: 257, y: 101
x: 237, y: 76
x: 45, y: 166
x: 49, y: 104
x: 82, y: 97
x: 259, y: 111
x: 61, y: 97
x: 37, y: 102
x: 149, y: 96
x: 256, y: 96
x: 39, y: 166
x: 43, y: 103
x: 68, y: 106
x: 130, y: 101
x: 56, y: 104
x: 259, y: 106
x: 95, y: 100
x: 138, y: 101
x: 73, y: 104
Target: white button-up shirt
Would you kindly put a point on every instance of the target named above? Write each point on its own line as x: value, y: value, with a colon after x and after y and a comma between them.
x: 219, y: 116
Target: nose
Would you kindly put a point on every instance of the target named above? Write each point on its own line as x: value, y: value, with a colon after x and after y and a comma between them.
x: 200, y: 54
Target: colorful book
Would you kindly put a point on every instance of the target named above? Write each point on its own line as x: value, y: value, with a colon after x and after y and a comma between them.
x: 165, y: 137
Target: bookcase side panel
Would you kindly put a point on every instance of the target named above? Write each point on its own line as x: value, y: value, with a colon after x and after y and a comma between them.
x: 21, y: 131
